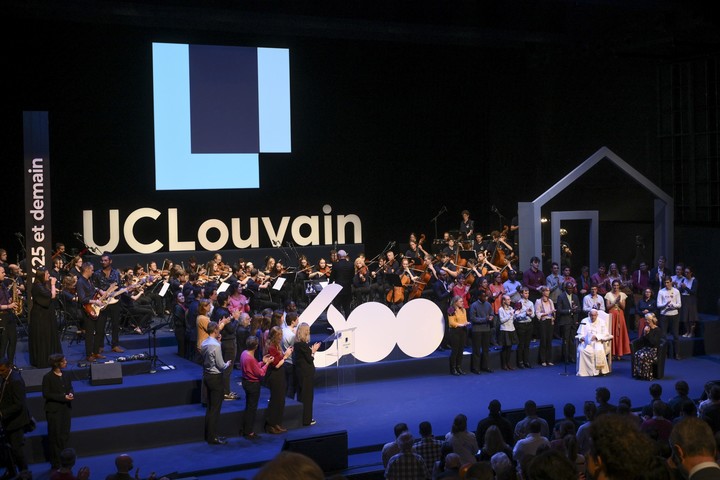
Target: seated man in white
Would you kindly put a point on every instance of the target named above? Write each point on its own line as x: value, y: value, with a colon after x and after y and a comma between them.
x: 592, y: 357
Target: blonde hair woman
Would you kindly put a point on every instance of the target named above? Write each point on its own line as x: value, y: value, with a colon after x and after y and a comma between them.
x: 303, y: 359
x: 647, y: 354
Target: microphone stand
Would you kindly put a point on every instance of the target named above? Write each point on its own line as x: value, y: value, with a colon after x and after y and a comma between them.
x: 22, y: 246
x: 500, y: 215
x: 87, y: 247
x: 435, y: 218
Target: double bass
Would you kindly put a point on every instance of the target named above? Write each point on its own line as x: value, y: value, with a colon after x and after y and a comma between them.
x: 499, y: 258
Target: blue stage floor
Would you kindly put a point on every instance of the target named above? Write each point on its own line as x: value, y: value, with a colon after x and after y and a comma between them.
x: 419, y: 390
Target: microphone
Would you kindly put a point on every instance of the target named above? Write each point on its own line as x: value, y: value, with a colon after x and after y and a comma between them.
x: 18, y: 234
x: 444, y: 209
x: 77, y: 234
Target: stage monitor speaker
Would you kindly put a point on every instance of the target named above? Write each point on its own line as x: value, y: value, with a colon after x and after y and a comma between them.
x: 33, y: 378
x: 329, y: 450
x: 105, y: 374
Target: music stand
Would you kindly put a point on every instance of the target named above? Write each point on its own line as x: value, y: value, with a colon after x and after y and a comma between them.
x: 152, y: 348
x: 468, y: 254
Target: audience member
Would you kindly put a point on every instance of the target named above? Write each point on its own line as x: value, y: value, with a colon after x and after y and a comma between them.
x: 693, y: 450
x: 493, y: 443
x: 583, y: 432
x: 452, y: 467
x: 521, y: 428
x: 618, y: 449
x: 657, y: 427
x: 482, y: 471
x: 711, y: 413
x: 682, y: 389
x: 494, y: 418
x: 406, y: 465
x: 67, y: 462
x: 428, y: 447
x: 602, y: 397
x: 463, y: 442
x: 391, y: 449
x: 531, y: 443
x: 290, y: 466
x: 655, y: 394
x: 551, y: 465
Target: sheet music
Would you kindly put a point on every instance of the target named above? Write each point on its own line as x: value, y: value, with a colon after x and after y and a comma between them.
x: 164, y: 289
x: 278, y: 283
x: 223, y: 287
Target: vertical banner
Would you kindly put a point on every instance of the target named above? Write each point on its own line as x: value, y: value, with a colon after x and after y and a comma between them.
x: 36, y: 139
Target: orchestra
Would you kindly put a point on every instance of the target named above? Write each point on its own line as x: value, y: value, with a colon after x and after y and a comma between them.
x: 463, y: 264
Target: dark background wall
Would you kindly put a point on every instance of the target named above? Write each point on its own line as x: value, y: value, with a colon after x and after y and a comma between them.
x: 396, y: 112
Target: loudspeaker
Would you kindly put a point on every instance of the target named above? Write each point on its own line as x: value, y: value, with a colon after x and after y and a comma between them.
x: 33, y: 378
x: 329, y: 450
x: 105, y: 374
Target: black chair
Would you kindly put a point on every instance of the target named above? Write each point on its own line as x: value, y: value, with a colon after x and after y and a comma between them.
x: 659, y: 367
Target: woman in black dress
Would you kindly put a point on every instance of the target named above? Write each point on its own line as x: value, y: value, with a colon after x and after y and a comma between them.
x: 44, y: 339
x: 305, y: 370
x: 275, y: 378
x: 647, y: 355
x: 58, y: 394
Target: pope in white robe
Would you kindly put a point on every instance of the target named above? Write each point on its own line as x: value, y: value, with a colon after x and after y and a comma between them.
x: 592, y: 359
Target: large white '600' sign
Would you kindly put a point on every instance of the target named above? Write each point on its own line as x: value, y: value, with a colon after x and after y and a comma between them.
x: 417, y: 329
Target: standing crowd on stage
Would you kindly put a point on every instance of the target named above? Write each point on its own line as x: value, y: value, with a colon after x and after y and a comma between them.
x: 243, y: 316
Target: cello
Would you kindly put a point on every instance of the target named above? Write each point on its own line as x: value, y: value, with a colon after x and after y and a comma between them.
x: 396, y: 294
x: 499, y: 258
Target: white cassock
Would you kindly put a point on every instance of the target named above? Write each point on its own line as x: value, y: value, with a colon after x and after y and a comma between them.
x: 592, y: 359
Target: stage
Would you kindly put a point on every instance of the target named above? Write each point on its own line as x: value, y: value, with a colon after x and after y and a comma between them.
x: 158, y: 420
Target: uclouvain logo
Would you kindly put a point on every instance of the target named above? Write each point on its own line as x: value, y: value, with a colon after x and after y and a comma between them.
x: 218, y: 107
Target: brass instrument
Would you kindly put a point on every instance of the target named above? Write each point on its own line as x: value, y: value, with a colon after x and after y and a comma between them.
x: 17, y: 299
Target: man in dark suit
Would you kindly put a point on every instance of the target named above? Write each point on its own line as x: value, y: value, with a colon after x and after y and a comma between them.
x: 658, y: 275
x: 14, y: 416
x: 342, y: 274
x: 568, y: 307
x: 693, y: 450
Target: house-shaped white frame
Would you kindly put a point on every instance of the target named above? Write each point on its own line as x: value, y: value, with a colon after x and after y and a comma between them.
x: 529, y: 214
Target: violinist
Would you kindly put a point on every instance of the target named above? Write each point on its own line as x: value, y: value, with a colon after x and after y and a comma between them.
x: 467, y: 226
x: 303, y: 284
x: 485, y: 268
x: 278, y: 271
x: 137, y: 305
x: 153, y: 279
x: 361, y: 282
x: 377, y: 279
x: 446, y: 265
x: 193, y: 266
x: 269, y: 265
x: 392, y: 265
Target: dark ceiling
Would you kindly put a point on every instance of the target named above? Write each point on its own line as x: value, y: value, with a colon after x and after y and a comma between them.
x: 663, y: 28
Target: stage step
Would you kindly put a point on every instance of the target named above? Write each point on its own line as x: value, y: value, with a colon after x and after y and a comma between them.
x: 150, y: 428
